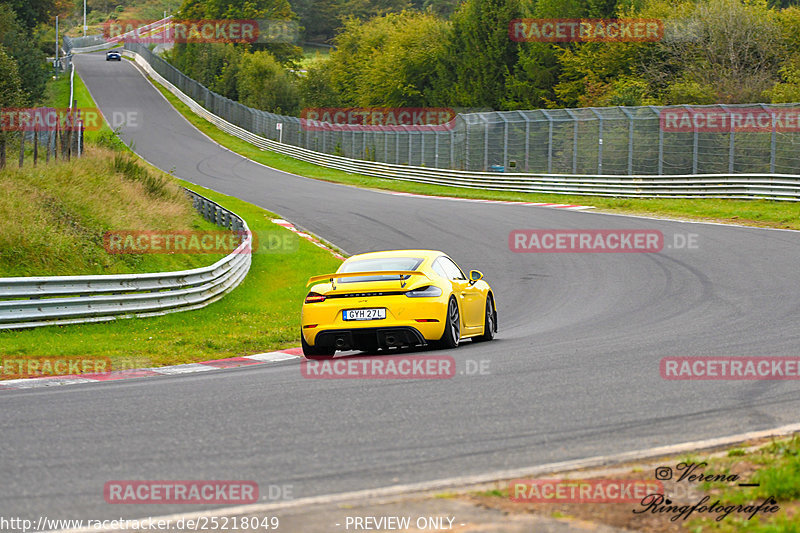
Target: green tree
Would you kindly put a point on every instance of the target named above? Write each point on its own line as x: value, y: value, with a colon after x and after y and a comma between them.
x: 264, y: 84
x: 387, y: 61
x: 11, y: 93
x: 479, y: 56
x: 31, y: 12
x: 31, y: 61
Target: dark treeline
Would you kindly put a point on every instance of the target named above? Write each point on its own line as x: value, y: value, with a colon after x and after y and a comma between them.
x: 404, y: 53
x: 23, y: 66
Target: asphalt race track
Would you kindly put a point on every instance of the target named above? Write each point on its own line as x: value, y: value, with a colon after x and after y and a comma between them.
x: 574, y: 371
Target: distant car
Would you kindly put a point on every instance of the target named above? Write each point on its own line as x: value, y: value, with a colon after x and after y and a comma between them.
x: 113, y: 55
x: 392, y: 299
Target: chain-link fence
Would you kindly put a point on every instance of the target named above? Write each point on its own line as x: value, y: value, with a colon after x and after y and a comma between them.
x: 588, y: 141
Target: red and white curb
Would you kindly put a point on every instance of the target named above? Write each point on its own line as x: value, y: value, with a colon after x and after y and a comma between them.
x: 116, y: 375
x: 288, y: 225
x: 568, y: 207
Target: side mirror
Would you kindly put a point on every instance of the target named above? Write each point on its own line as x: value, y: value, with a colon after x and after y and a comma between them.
x: 475, y: 276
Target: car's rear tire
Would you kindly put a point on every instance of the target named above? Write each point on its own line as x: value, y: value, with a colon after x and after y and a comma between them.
x: 489, y: 322
x: 452, y: 326
x: 316, y: 352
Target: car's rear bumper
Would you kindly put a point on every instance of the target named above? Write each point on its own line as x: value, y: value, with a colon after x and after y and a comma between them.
x: 425, y: 316
x: 370, y: 338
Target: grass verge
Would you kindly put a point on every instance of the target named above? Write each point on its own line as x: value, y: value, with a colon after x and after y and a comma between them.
x: 773, y: 465
x: 763, y: 213
x: 67, y: 207
x: 260, y: 315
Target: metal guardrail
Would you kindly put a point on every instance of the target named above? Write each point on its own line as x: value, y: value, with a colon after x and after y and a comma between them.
x: 748, y: 186
x: 43, y: 301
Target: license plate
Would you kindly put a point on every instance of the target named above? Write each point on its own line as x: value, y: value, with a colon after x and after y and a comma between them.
x: 378, y: 313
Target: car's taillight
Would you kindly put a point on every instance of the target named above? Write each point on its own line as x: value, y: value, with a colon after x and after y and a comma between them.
x: 313, y: 297
x: 429, y: 291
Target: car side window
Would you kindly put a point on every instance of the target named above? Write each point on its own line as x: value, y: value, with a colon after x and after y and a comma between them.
x: 439, y: 269
x: 452, y: 270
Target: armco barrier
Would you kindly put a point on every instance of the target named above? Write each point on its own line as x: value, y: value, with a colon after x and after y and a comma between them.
x: 43, y: 301
x: 749, y: 186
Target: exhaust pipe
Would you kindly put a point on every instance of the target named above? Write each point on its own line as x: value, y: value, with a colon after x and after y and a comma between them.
x: 340, y: 342
x: 391, y: 340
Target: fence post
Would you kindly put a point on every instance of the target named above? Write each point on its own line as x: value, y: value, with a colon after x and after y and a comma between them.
x: 660, y: 141
x: 772, y: 139
x: 731, y: 139
x: 505, y: 141
x: 21, y: 148
x: 630, y: 139
x: 396, y: 147
x: 485, y: 145
x: 453, y: 146
x: 35, y: 145
x: 695, y: 139
x: 574, y: 141
x: 466, y: 145
x: 436, y: 149
x: 549, y: 141
x: 410, y: 144
x: 527, y: 138
x: 599, y: 140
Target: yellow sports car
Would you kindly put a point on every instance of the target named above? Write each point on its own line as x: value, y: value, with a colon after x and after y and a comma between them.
x: 392, y: 299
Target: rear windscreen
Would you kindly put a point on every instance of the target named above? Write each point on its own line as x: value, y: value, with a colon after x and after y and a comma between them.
x: 379, y: 264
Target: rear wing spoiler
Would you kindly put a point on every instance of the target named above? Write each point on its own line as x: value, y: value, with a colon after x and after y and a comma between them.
x: 339, y: 275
